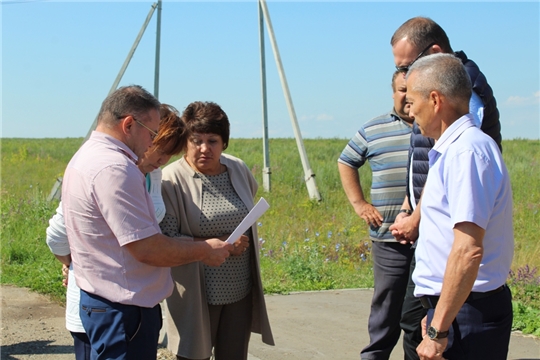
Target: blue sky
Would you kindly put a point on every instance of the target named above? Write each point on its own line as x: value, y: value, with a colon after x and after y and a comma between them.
x: 59, y: 60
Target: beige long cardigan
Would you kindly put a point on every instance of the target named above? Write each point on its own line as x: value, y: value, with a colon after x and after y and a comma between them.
x: 187, y: 319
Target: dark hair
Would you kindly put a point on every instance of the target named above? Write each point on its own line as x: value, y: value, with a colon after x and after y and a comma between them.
x: 394, y: 76
x: 127, y: 100
x: 172, y: 135
x: 420, y: 32
x: 207, y: 118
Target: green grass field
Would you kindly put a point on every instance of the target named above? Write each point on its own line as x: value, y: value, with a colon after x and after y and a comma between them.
x: 305, y: 245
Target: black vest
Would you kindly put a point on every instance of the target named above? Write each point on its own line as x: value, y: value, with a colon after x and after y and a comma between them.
x: 421, y: 145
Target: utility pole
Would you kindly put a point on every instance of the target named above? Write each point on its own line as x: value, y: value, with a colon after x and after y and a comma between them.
x: 158, y: 47
x: 266, y: 152
x: 57, y: 187
x: 126, y: 63
x: 309, y: 176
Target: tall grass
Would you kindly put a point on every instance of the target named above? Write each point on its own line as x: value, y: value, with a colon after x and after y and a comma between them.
x: 305, y: 245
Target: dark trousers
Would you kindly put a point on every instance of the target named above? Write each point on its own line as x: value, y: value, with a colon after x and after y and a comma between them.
x: 391, y: 263
x: 231, y: 329
x: 412, y: 314
x: 82, y: 346
x: 481, y: 329
x: 118, y: 331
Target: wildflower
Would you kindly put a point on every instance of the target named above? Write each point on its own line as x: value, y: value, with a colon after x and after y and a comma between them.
x: 363, y: 257
x: 329, y: 234
x: 338, y: 246
x: 307, y: 229
x: 306, y: 239
x: 259, y: 224
x: 316, y: 234
x: 261, y: 241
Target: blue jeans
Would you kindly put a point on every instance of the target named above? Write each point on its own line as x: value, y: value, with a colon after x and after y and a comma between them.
x: 118, y: 331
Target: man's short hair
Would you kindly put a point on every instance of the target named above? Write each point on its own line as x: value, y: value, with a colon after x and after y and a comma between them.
x: 127, y: 100
x: 422, y: 31
x: 443, y: 73
x: 394, y: 76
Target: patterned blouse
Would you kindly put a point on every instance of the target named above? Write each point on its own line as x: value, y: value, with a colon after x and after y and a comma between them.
x: 221, y: 211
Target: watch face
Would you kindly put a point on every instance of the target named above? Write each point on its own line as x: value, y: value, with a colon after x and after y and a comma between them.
x: 432, y: 332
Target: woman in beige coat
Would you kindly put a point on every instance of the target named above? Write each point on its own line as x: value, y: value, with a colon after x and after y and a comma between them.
x: 207, y: 194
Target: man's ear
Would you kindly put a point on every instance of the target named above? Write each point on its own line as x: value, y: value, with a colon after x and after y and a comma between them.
x: 436, y: 49
x: 435, y: 99
x: 126, y: 124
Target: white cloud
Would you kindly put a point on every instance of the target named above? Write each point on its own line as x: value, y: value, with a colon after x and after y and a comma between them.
x: 521, y: 101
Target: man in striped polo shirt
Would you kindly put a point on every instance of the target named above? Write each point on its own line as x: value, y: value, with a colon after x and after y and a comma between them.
x: 383, y: 141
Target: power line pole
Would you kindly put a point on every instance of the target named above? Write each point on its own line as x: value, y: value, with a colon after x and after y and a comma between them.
x: 57, y: 187
x: 158, y: 48
x: 309, y: 176
x: 266, y: 152
x: 126, y: 63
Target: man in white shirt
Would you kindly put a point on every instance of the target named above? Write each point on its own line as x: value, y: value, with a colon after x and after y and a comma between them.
x: 465, y: 246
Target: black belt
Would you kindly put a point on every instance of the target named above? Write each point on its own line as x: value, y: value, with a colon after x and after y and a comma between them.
x: 429, y: 302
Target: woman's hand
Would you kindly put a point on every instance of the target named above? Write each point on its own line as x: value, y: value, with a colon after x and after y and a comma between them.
x: 240, y: 245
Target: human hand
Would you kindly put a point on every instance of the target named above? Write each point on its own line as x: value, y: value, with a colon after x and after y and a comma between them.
x: 430, y: 349
x: 240, y: 245
x: 65, y: 273
x: 404, y: 229
x: 217, y: 253
x: 370, y: 215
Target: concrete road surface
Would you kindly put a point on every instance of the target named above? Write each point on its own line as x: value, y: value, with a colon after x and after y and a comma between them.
x: 333, y: 325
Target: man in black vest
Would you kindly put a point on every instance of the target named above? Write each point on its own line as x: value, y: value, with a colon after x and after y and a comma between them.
x: 418, y: 37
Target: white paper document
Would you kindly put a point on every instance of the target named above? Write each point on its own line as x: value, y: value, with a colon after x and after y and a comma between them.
x: 255, y: 213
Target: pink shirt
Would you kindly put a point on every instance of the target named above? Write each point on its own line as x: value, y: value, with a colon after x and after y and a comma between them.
x: 106, y: 206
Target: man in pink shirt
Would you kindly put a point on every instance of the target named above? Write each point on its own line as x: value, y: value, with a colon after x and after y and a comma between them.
x: 120, y: 258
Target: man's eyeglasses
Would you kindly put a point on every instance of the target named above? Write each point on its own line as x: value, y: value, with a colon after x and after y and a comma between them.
x: 153, y: 134
x: 406, y: 68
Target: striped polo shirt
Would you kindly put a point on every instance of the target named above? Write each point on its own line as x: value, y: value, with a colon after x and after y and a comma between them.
x: 384, y: 141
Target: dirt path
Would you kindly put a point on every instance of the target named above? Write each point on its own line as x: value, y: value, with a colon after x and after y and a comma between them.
x: 33, y: 327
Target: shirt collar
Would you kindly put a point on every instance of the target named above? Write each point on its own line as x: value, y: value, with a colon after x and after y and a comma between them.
x: 449, y: 136
x: 114, y: 142
x: 394, y: 114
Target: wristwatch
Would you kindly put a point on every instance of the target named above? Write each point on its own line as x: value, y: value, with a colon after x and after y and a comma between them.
x: 435, y: 334
x: 406, y: 211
